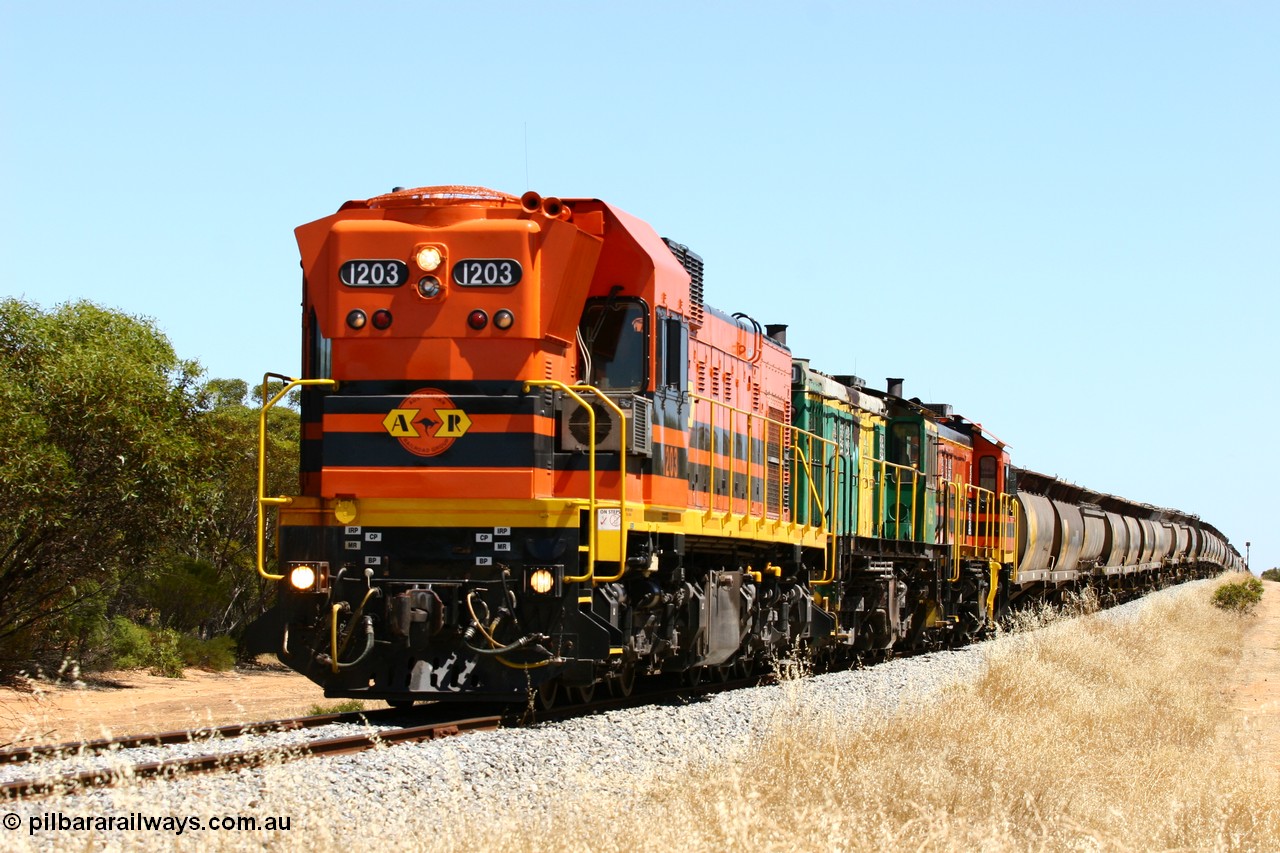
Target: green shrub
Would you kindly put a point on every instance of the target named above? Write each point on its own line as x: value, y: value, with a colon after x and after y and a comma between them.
x: 1240, y: 597
x: 347, y: 707
x: 134, y: 646
x: 130, y: 644
x: 166, y: 657
x: 1271, y: 575
x: 216, y: 655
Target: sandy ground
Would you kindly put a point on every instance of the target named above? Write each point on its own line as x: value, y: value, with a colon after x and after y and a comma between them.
x: 120, y: 703
x: 1257, y: 691
x: 131, y: 702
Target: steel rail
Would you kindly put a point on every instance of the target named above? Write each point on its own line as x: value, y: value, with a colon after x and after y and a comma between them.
x: 22, y: 754
x: 70, y: 782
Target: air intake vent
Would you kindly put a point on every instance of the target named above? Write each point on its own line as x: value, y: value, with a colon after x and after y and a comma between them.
x: 640, y: 419
x: 575, y: 426
x: 692, y: 263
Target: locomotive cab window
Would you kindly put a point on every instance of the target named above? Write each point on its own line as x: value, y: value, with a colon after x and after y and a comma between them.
x: 987, y: 473
x: 673, y: 349
x: 615, y: 334
x: 904, y: 444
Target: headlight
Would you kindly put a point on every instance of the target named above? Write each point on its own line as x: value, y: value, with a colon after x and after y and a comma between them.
x: 541, y: 581
x: 428, y: 258
x: 302, y: 578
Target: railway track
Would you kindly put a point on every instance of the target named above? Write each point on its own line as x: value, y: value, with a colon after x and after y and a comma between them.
x: 23, y: 754
x: 223, y: 761
x: 430, y: 722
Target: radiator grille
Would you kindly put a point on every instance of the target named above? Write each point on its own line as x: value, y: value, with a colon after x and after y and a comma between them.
x: 692, y: 263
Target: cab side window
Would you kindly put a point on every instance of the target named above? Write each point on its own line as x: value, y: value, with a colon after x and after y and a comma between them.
x: 904, y: 444
x: 615, y: 333
x: 987, y: 473
x: 673, y: 350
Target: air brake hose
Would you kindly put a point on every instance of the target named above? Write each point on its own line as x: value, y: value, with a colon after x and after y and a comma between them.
x: 518, y: 644
x: 367, y: 623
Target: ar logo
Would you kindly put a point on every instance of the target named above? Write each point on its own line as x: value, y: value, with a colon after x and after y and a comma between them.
x: 426, y: 422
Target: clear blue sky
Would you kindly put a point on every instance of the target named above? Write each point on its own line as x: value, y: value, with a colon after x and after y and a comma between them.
x: 1060, y: 217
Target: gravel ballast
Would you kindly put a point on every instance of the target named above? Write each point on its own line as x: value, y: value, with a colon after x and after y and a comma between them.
x: 596, y: 756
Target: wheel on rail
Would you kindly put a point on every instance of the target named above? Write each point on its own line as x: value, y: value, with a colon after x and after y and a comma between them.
x: 583, y: 695
x: 623, y: 684
x: 547, y: 694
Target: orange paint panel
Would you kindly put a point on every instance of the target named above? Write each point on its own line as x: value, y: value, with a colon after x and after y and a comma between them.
x: 669, y: 437
x: 496, y: 484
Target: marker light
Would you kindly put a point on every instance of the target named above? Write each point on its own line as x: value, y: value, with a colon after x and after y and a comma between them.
x: 429, y: 287
x: 381, y: 318
x: 356, y: 319
x: 302, y: 578
x: 503, y: 319
x: 428, y: 258
x: 477, y: 319
x: 541, y: 581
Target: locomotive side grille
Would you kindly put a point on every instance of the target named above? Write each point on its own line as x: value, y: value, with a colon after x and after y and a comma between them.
x: 641, y: 438
x: 692, y: 263
x: 774, y: 454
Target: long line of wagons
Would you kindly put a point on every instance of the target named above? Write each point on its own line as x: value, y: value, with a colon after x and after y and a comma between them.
x: 536, y: 462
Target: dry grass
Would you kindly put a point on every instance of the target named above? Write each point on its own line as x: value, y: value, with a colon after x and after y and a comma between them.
x: 1086, y: 735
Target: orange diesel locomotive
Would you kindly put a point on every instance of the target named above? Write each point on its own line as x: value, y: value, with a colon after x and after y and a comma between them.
x: 535, y: 460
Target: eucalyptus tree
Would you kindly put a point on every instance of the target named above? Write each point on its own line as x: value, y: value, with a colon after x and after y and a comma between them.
x: 99, y: 430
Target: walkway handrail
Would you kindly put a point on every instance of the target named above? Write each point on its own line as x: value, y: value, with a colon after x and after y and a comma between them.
x: 885, y: 465
x: 958, y: 493
x: 592, y: 502
x: 1015, y: 515
x: 821, y: 496
x: 263, y: 501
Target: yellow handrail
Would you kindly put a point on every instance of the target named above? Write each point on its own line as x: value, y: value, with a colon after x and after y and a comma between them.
x: 953, y: 491
x: 813, y: 489
x: 885, y: 465
x: 622, y: 482
x: 263, y: 500
x: 993, y: 546
x: 822, y: 495
x: 733, y: 457
x: 592, y: 503
x: 1017, y: 546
